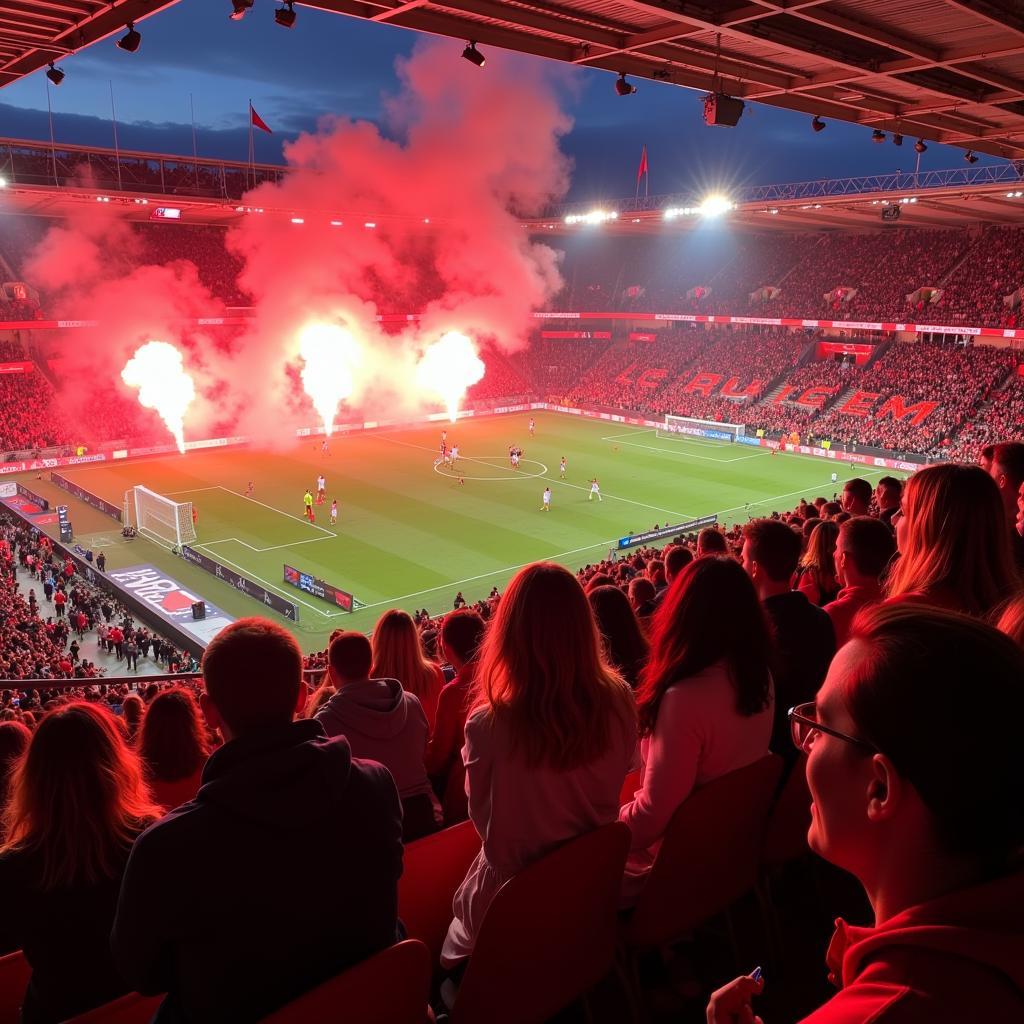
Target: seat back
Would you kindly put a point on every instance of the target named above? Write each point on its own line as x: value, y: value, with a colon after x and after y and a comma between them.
x: 14, y: 975
x: 392, y: 987
x: 549, y: 934
x: 433, y: 868
x: 786, y: 835
x: 129, y: 1009
x: 708, y: 857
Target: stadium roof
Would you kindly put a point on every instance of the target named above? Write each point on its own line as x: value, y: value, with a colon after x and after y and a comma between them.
x: 34, y: 32
x: 951, y: 71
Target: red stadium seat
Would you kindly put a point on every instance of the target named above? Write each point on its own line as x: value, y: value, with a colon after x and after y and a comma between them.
x: 433, y: 869
x: 532, y: 960
x: 14, y: 975
x: 708, y: 858
x: 392, y: 987
x: 129, y: 1009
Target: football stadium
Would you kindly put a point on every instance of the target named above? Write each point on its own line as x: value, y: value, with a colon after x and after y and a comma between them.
x: 507, y: 511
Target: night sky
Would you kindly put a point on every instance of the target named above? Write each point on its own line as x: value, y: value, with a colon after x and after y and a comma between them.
x: 330, y: 64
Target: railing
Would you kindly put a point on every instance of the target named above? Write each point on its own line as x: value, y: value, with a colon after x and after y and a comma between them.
x: 311, y: 675
x: 898, y: 181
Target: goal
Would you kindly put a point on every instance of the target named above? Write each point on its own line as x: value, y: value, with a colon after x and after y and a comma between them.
x: 167, y: 522
x: 681, y: 426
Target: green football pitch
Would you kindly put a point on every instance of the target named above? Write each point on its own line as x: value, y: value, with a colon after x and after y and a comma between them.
x: 410, y: 534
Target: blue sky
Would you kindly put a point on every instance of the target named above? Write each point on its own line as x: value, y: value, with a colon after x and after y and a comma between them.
x: 338, y: 65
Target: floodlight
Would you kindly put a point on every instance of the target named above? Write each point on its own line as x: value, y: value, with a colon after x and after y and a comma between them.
x: 55, y: 75
x: 622, y: 87
x: 130, y: 40
x: 473, y: 55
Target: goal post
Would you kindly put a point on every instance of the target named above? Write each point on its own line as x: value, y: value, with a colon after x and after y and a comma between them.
x: 167, y: 522
x: 683, y: 426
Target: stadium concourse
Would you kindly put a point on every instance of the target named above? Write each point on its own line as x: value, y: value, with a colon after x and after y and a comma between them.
x: 605, y: 760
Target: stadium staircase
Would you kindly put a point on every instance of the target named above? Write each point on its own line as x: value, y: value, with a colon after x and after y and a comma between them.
x: 972, y: 249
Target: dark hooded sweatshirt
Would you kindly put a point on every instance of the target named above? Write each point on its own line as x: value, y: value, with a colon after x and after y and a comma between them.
x: 956, y: 960
x: 280, y: 874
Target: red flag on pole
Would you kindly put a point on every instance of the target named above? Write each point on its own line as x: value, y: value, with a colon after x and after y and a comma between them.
x: 257, y: 122
x: 643, y: 168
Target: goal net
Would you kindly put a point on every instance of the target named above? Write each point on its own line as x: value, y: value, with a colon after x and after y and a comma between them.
x: 687, y: 426
x: 167, y: 522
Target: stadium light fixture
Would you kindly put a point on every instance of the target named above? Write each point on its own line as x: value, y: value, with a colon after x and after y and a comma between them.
x: 878, y: 136
x: 298, y: 220
x: 131, y: 40
x: 473, y: 55
x: 285, y: 16
x: 920, y: 147
x: 622, y: 87
x: 897, y: 139
x: 715, y: 206
x: 55, y: 75
x: 3, y: 182
x: 970, y: 157
x: 592, y: 217
x: 817, y: 124
x: 239, y: 9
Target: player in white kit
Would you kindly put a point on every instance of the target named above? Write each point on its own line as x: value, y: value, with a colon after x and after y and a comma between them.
x: 321, y: 487
x: 515, y: 459
x: 533, y: 427
x: 595, y: 488
x: 561, y: 468
x: 334, y: 512
x: 546, y: 506
x: 454, y: 455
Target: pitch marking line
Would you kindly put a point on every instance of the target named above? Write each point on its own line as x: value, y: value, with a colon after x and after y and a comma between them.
x: 483, y: 460
x: 565, y: 483
x: 259, y: 579
x: 669, y: 451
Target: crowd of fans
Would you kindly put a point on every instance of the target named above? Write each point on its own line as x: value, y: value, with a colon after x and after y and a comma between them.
x: 851, y: 627
x: 993, y: 270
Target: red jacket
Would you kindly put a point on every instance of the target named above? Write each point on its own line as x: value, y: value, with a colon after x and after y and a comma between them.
x: 846, y: 605
x: 957, y: 959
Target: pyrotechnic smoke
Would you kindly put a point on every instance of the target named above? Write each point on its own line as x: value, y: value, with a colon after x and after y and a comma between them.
x: 467, y: 151
x: 330, y: 355
x: 448, y: 368
x: 157, y: 371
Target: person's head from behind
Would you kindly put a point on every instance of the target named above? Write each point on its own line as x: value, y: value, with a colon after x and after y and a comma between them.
x: 14, y: 738
x: 462, y: 632
x: 711, y: 542
x: 350, y: 658
x: 711, y: 614
x: 821, y: 546
x: 831, y: 509
x: 677, y: 559
x: 172, y: 741
x: 1011, y: 619
x: 985, y: 457
x: 397, y: 652
x: 1007, y: 469
x: 952, y: 537
x: 864, y: 549
x: 888, y: 492
x: 77, y: 796
x: 624, y: 643
x: 856, y: 496
x: 252, y: 671
x: 914, y: 774
x: 543, y: 673
x: 771, y: 550
x: 808, y: 527
x: 641, y: 594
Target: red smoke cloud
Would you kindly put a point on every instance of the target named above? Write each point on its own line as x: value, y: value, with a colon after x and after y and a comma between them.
x: 469, y: 149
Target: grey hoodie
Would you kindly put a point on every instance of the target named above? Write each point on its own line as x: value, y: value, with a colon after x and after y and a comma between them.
x: 382, y: 723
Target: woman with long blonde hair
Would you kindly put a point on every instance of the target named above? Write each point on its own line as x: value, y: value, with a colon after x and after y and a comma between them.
x: 954, y: 547
x: 398, y: 654
x: 816, y: 573
x: 77, y: 801
x: 548, y: 741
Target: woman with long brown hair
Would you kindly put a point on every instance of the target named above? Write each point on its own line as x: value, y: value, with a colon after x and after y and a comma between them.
x: 548, y: 741
x: 625, y: 645
x: 173, y: 747
x: 816, y: 573
x: 398, y: 654
x: 78, y: 799
x: 954, y: 547
x: 705, y: 700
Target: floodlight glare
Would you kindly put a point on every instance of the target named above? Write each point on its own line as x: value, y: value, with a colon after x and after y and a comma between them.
x: 715, y: 206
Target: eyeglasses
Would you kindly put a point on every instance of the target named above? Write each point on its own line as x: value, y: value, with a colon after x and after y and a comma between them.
x: 803, y: 724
